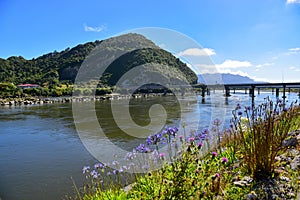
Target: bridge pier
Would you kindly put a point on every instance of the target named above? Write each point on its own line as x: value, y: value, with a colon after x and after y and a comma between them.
x: 208, y: 91
x: 272, y: 91
x: 234, y: 91
x: 277, y: 92
x: 227, y: 92
x: 284, y: 97
x: 258, y: 90
x: 245, y: 90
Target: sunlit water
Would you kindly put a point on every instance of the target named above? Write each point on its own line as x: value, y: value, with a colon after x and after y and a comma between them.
x: 40, y: 149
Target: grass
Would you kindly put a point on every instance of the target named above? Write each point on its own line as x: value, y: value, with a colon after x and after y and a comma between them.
x: 242, y: 163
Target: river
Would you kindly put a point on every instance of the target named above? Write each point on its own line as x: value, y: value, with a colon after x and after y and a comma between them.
x: 40, y: 149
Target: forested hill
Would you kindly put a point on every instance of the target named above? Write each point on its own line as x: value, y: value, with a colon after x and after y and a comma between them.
x: 56, y: 67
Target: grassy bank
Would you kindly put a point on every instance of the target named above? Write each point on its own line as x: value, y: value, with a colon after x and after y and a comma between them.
x: 256, y: 158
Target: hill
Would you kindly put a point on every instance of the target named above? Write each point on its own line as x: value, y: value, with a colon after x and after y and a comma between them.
x: 54, y: 68
x: 223, y: 79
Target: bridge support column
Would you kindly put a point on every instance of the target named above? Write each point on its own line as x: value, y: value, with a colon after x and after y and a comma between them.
x: 208, y: 91
x: 233, y: 90
x: 227, y: 92
x: 272, y: 91
x: 203, y: 92
x: 277, y: 92
x: 245, y: 90
x: 258, y: 90
x: 284, y: 97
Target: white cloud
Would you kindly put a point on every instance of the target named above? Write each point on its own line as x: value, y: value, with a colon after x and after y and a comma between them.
x: 264, y: 65
x: 225, y: 67
x: 292, y: 51
x: 292, y: 1
x: 295, y: 49
x: 232, y: 64
x: 197, y: 52
x: 94, y: 29
x: 293, y: 68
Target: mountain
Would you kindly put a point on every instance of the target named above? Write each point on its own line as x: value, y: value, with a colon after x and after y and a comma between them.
x: 62, y: 67
x: 220, y: 78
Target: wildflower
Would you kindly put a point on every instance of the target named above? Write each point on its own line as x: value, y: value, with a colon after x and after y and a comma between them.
x: 285, y: 109
x: 224, y: 160
x: 142, y: 148
x: 217, y: 122
x: 98, y: 166
x: 162, y: 156
x: 217, y: 175
x: 85, y: 169
x: 115, y: 163
x: 197, y: 171
x: 94, y: 174
x: 247, y: 108
x: 200, y: 144
x: 130, y: 155
x: 115, y: 171
x: 238, y: 106
x: 214, y: 154
x: 191, y: 139
x: 240, y: 113
x: 181, y: 138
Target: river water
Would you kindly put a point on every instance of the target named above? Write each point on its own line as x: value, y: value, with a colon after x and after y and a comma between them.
x: 40, y: 149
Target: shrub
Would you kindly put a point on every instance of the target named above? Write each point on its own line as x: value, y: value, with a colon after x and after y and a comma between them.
x: 262, y: 132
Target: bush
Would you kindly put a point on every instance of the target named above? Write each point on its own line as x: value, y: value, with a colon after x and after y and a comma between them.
x: 262, y: 132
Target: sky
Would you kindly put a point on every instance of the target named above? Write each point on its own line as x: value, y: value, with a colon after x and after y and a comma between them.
x: 255, y: 38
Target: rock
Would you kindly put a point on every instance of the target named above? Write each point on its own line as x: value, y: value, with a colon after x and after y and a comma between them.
x: 240, y: 183
x: 248, y: 179
x: 295, y: 163
x: 251, y: 196
x: 291, y: 142
x: 284, y: 178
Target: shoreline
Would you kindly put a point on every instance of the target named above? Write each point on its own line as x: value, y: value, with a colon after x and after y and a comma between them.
x: 20, y: 101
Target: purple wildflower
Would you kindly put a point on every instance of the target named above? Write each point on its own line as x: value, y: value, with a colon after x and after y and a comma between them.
x: 94, y: 174
x: 162, y: 156
x: 142, y: 148
x: 217, y: 122
x: 85, y: 169
x: 214, y: 154
x: 240, y: 113
x: 224, y: 160
x: 200, y: 144
x: 197, y: 171
x: 191, y: 139
x: 98, y: 166
x: 217, y: 175
x: 181, y: 138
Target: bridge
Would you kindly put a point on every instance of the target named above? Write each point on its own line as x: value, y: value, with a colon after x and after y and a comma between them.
x: 205, y: 89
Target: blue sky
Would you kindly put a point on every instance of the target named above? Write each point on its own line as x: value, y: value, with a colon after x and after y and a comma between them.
x: 257, y: 38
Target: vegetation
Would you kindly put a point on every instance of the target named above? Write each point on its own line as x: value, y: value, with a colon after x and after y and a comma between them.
x: 223, y: 172
x: 52, y: 70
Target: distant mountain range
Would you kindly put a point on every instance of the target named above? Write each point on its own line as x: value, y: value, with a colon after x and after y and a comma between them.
x: 222, y: 78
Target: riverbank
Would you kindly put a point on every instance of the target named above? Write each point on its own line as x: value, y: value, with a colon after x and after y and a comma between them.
x: 68, y: 99
x: 223, y: 173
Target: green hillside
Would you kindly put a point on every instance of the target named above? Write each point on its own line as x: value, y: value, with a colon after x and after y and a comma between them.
x: 56, y: 68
